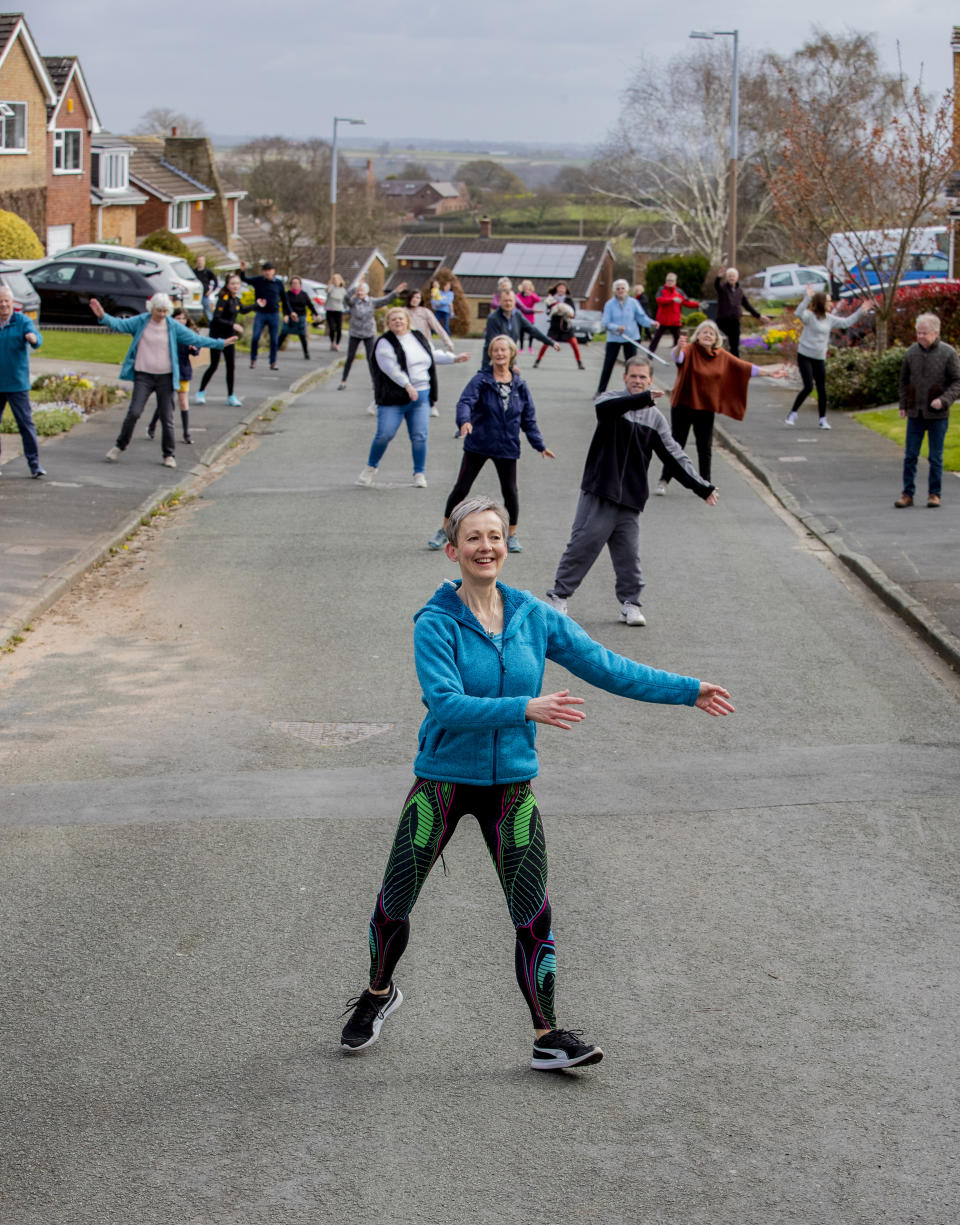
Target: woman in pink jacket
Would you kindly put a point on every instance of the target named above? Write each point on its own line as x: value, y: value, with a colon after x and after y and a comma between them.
x: 527, y: 299
x: 669, y: 301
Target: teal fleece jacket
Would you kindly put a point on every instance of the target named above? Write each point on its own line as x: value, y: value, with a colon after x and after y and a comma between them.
x: 177, y: 333
x: 476, y: 693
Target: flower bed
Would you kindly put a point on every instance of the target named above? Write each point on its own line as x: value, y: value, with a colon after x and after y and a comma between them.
x: 74, y: 389
x: 50, y: 417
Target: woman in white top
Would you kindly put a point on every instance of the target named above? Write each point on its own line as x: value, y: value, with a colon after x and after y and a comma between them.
x: 422, y: 319
x: 405, y: 382
x: 818, y: 323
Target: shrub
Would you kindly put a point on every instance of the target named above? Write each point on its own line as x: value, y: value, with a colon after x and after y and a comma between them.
x: 691, y: 273
x: 941, y: 299
x: 693, y: 318
x: 74, y: 389
x: 49, y: 419
x: 858, y: 378
x: 17, y: 240
x: 882, y: 382
x: 167, y: 243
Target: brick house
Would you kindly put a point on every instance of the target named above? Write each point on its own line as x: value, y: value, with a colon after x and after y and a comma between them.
x: 415, y: 198
x: 72, y: 123
x: 26, y: 92
x: 478, y: 263
x: 113, y: 202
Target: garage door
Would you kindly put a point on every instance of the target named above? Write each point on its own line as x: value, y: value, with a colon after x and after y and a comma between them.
x: 59, y: 238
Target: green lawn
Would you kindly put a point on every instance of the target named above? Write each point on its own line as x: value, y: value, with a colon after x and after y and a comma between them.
x: 83, y: 347
x: 889, y: 423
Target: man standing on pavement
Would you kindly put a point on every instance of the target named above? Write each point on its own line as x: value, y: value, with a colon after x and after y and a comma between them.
x: 929, y: 384
x: 17, y: 332
x: 731, y: 303
x: 271, y: 300
x: 209, y: 281
x: 506, y: 320
x: 614, y: 489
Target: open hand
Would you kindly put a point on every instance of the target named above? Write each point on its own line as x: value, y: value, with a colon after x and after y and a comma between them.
x: 714, y: 700
x: 230, y: 340
x: 546, y: 453
x: 97, y: 309
x: 556, y: 709
x: 461, y: 357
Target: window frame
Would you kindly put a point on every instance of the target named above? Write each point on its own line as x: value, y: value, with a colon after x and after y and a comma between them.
x: 60, y: 147
x: 112, y: 163
x: 4, y: 119
x: 175, y: 206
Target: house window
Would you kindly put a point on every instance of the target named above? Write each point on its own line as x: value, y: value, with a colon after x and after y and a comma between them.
x: 110, y: 171
x: 67, y: 150
x: 180, y: 217
x: 483, y: 309
x: 13, y: 127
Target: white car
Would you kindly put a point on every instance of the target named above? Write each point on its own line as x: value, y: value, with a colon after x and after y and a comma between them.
x: 317, y: 293
x: 171, y: 274
x: 784, y: 281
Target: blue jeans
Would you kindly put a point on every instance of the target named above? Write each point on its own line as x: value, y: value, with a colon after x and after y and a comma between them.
x: 416, y: 413
x: 936, y: 431
x: 19, y: 402
x: 261, y: 320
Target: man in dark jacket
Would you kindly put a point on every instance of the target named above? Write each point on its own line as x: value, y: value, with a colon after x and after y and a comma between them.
x: 208, y: 280
x: 506, y: 320
x: 731, y: 303
x: 929, y: 384
x: 614, y: 489
x: 271, y: 300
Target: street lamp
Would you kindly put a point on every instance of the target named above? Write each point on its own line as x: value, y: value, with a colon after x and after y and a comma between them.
x: 333, y: 189
x: 734, y: 125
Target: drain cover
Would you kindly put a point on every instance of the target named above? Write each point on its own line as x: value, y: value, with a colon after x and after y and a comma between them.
x: 332, y: 735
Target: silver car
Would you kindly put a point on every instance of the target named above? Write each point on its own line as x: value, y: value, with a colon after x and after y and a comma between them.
x: 25, y: 297
x: 171, y: 274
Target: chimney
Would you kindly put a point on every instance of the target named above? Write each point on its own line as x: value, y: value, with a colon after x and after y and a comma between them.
x: 174, y: 131
x: 485, y: 227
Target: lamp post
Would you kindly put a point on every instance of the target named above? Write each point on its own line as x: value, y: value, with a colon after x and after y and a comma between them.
x: 734, y: 128
x: 333, y: 189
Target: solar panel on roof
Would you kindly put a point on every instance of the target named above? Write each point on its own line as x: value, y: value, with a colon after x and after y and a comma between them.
x: 477, y: 263
x: 540, y: 259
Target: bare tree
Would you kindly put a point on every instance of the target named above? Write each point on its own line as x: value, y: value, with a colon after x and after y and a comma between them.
x: 161, y: 120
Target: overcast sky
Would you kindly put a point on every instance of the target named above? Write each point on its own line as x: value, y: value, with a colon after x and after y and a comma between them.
x: 488, y: 70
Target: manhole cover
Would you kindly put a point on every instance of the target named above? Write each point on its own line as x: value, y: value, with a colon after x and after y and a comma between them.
x: 331, y: 735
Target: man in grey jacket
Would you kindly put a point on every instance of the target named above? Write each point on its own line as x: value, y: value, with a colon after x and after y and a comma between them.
x: 929, y: 384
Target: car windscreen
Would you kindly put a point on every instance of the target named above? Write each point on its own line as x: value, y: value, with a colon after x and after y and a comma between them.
x: 183, y: 270
x: 18, y: 284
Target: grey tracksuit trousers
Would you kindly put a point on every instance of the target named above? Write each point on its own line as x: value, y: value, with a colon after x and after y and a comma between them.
x: 599, y: 522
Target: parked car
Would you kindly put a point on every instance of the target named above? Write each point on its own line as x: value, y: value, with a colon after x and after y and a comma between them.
x: 586, y: 324
x: 66, y: 286
x: 784, y: 281
x: 919, y: 266
x: 172, y: 275
x: 25, y: 297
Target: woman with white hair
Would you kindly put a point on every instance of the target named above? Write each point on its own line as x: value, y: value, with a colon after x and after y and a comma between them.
x: 404, y: 369
x: 152, y: 364
x: 363, y: 325
x: 623, y: 317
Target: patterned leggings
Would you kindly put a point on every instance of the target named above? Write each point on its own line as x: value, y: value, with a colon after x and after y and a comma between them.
x: 510, y: 823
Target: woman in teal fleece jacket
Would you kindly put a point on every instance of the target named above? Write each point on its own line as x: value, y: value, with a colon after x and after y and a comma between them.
x: 480, y: 650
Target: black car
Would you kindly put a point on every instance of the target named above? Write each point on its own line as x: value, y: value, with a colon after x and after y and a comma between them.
x: 66, y: 286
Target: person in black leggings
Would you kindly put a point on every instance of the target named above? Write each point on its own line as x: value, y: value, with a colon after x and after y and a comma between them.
x: 225, y: 323
x: 480, y: 649
x: 492, y: 410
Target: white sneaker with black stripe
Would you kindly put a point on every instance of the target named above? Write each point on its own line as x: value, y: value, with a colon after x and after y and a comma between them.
x: 562, y: 1048
x: 369, y: 1013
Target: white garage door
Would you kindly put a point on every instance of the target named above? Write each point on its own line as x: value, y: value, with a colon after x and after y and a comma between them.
x: 59, y: 238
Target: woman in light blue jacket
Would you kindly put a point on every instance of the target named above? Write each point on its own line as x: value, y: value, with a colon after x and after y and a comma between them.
x: 480, y: 650
x: 153, y: 365
x: 623, y: 317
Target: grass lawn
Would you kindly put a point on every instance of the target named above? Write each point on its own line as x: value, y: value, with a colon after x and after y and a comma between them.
x: 83, y: 347
x: 889, y: 423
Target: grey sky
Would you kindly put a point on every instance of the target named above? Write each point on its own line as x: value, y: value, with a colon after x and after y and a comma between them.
x: 494, y: 69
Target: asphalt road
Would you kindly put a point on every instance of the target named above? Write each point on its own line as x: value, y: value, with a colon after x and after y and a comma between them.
x: 758, y: 918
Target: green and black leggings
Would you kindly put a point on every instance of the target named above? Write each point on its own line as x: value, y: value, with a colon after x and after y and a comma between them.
x: 510, y: 823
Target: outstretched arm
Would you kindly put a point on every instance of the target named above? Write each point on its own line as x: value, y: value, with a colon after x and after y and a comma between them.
x: 714, y: 700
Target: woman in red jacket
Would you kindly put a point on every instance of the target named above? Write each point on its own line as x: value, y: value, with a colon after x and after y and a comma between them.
x: 669, y: 301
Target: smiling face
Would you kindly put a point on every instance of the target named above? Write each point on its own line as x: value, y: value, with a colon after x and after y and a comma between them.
x: 671, y: 280
x: 398, y: 321
x: 481, y: 546
x: 6, y: 304
x: 415, y: 299
x: 707, y: 336
x: 501, y: 351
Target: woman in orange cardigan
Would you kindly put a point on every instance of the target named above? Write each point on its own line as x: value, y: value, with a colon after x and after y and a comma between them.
x: 669, y: 301
x: 709, y: 381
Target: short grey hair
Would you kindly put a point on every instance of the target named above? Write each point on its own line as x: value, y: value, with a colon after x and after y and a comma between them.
x: 474, y: 506
x: 637, y: 360
x: 504, y: 283
x: 160, y: 302
x: 621, y: 281
x: 930, y: 320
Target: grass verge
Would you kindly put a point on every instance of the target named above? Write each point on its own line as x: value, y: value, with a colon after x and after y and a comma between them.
x: 80, y: 347
x: 889, y: 423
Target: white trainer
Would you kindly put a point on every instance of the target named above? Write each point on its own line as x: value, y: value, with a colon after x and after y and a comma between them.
x: 790, y: 418
x: 169, y: 461
x: 366, y: 476
x: 114, y: 454
x: 662, y: 490
x: 372, y: 408
x: 824, y: 424
x: 556, y: 602
x: 631, y: 614
x: 419, y: 481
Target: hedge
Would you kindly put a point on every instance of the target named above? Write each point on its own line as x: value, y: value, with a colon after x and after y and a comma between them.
x: 17, y: 240
x: 691, y: 273
x: 861, y: 378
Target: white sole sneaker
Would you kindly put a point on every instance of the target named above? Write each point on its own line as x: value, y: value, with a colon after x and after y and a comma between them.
x: 113, y: 455
x: 556, y: 602
x: 366, y: 477
x: 631, y: 615
x: 661, y: 490
x: 419, y: 481
x: 378, y: 1021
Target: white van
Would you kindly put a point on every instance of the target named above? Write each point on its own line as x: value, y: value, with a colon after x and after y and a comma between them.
x: 171, y: 274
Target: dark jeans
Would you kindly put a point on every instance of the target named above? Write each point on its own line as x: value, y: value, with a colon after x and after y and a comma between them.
x: 335, y: 326
x: 731, y: 329
x: 612, y: 352
x: 144, y: 385
x: 812, y: 370
x: 229, y: 355
x: 353, y: 344
x: 19, y: 402
x: 296, y: 328
x: 936, y: 431
x: 261, y: 320
x: 681, y: 419
x: 674, y: 332
x: 443, y: 318
x: 470, y: 470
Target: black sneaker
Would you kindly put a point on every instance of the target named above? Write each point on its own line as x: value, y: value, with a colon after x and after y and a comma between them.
x: 369, y: 1013
x: 562, y: 1048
